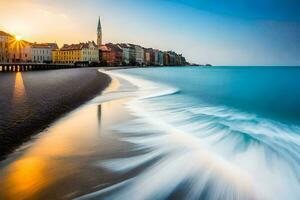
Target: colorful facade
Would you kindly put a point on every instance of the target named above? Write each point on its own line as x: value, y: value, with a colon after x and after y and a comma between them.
x: 75, y: 53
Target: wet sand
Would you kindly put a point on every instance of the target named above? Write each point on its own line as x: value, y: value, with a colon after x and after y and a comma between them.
x: 30, y: 101
x: 62, y: 162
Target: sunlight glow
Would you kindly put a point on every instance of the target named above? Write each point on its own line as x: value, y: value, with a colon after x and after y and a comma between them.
x: 18, y: 37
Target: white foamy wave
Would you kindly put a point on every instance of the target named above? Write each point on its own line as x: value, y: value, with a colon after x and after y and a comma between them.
x: 200, y: 151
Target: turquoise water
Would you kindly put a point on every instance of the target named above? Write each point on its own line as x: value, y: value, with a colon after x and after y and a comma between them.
x: 210, y: 133
x: 271, y: 92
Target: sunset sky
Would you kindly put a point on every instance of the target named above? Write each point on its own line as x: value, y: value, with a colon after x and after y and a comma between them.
x: 251, y: 32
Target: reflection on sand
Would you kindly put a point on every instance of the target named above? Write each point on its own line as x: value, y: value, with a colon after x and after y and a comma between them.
x: 99, y: 115
x: 59, y: 153
x: 19, y: 90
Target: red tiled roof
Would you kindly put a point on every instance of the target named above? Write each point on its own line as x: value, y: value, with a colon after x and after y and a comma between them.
x: 104, y: 48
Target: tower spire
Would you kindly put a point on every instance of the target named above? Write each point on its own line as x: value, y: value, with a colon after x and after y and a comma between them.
x: 99, y: 33
x: 99, y: 23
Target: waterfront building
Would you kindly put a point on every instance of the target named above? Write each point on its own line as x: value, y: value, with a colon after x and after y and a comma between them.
x: 160, y: 58
x: 110, y: 55
x: 150, y: 56
x: 172, y: 58
x: 147, y: 56
x: 5, y: 39
x: 139, y: 55
x: 42, y: 53
x: 116, y: 54
x: 77, y: 53
x: 19, y: 51
x: 99, y: 33
x: 128, y: 55
x: 156, y: 54
x: 166, y: 58
x: 104, y: 55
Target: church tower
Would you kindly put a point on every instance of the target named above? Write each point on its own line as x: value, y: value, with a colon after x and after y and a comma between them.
x: 99, y: 33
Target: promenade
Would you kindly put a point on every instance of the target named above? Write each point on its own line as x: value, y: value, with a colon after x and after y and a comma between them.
x: 17, y: 67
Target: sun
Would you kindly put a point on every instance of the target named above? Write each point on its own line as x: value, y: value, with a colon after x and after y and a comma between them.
x: 18, y: 37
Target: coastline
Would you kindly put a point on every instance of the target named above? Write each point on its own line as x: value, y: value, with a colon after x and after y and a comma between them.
x: 65, y: 157
x: 137, y: 130
x: 35, y: 102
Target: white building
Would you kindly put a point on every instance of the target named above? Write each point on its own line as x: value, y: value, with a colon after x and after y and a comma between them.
x: 128, y: 56
x: 90, y: 52
x: 139, y: 55
x: 41, y: 53
x: 126, y: 53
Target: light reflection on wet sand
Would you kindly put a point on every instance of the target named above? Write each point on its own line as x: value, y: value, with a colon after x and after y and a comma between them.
x: 19, y: 89
x: 60, y: 158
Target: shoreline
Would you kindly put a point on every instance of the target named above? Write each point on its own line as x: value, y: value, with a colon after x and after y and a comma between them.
x: 65, y: 157
x: 32, y: 108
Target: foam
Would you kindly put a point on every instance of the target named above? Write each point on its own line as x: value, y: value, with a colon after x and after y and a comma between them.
x: 215, y: 152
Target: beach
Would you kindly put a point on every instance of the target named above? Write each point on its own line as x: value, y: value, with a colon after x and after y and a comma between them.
x: 63, y: 161
x: 30, y: 101
x: 167, y: 133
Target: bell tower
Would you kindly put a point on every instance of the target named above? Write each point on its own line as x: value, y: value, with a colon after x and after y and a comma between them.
x: 99, y: 33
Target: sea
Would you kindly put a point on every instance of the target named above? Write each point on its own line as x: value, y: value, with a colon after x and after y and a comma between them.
x: 208, y: 133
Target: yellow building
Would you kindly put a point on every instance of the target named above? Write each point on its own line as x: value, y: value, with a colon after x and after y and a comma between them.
x: 74, y: 53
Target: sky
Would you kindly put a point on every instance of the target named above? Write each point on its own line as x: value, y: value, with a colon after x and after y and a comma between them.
x: 219, y: 32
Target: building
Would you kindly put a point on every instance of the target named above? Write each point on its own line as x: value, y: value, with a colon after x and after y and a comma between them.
x: 105, y: 55
x: 173, y: 59
x: 160, y: 58
x: 166, y: 59
x: 147, y: 56
x: 156, y: 57
x: 99, y: 33
x: 42, y: 53
x: 139, y: 55
x: 150, y: 57
x: 76, y: 53
x: 19, y: 51
x: 111, y: 55
x: 128, y: 55
x: 5, y: 39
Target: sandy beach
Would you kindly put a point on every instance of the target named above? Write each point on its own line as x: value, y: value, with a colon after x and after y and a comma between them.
x: 63, y: 161
x: 30, y: 101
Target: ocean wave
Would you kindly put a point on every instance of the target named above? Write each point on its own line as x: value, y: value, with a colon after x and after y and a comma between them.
x: 199, y: 151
